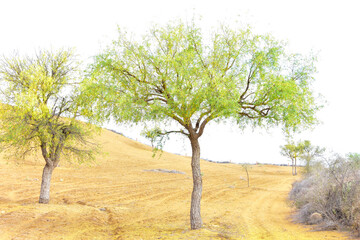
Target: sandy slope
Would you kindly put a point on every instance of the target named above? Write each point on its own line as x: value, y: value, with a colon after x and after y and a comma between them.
x: 117, y: 199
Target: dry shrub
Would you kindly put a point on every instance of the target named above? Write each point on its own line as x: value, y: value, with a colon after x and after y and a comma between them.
x: 329, y: 196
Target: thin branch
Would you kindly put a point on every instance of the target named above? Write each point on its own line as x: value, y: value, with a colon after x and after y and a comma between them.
x: 249, y: 79
x: 170, y: 132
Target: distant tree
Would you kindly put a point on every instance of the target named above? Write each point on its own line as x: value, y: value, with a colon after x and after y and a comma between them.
x: 39, y: 110
x: 309, y: 153
x: 173, y: 74
x: 293, y: 152
x: 246, y: 168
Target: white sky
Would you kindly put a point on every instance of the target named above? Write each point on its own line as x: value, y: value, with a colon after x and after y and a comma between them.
x: 330, y: 27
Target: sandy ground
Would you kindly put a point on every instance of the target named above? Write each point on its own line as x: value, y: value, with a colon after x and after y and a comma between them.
x: 118, y: 199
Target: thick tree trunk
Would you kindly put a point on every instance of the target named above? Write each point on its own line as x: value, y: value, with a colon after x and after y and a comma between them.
x: 195, y: 215
x: 45, y: 184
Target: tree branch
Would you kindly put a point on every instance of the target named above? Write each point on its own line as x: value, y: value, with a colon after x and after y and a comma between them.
x: 170, y: 132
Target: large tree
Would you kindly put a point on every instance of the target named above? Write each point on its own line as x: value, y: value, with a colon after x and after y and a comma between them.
x: 175, y: 75
x: 39, y: 108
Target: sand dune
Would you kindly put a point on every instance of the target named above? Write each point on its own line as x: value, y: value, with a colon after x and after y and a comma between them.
x: 118, y: 198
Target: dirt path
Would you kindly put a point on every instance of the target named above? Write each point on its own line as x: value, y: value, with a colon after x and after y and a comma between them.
x: 267, y: 215
x: 119, y: 199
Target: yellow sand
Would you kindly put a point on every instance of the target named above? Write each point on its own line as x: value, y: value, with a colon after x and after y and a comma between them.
x: 117, y: 199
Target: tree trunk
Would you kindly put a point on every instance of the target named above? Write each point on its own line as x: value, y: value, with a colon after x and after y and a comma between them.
x: 195, y: 215
x: 45, y: 184
x: 295, y: 167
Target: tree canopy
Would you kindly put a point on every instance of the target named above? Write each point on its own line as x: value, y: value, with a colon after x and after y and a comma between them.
x: 309, y: 153
x: 176, y: 74
x: 173, y: 74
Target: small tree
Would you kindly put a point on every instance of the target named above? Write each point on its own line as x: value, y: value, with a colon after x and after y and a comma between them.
x: 293, y: 152
x: 39, y: 110
x: 173, y: 74
x: 246, y: 168
x: 309, y: 153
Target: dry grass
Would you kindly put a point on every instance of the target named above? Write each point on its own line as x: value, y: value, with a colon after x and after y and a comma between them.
x: 117, y: 199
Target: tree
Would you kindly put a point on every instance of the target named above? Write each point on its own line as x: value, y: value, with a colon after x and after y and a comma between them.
x: 309, y: 152
x: 39, y: 110
x: 174, y: 75
x: 354, y: 158
x: 293, y: 152
x: 246, y: 168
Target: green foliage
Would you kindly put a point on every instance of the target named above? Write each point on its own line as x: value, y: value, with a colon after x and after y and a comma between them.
x: 39, y: 107
x: 292, y: 150
x: 174, y: 74
x: 157, y: 138
x: 354, y: 158
x: 302, y: 150
x: 309, y: 154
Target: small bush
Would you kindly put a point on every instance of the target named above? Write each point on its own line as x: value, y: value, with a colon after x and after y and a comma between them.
x: 329, y: 196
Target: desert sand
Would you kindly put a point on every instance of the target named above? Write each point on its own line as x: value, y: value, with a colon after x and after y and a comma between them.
x: 118, y: 198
